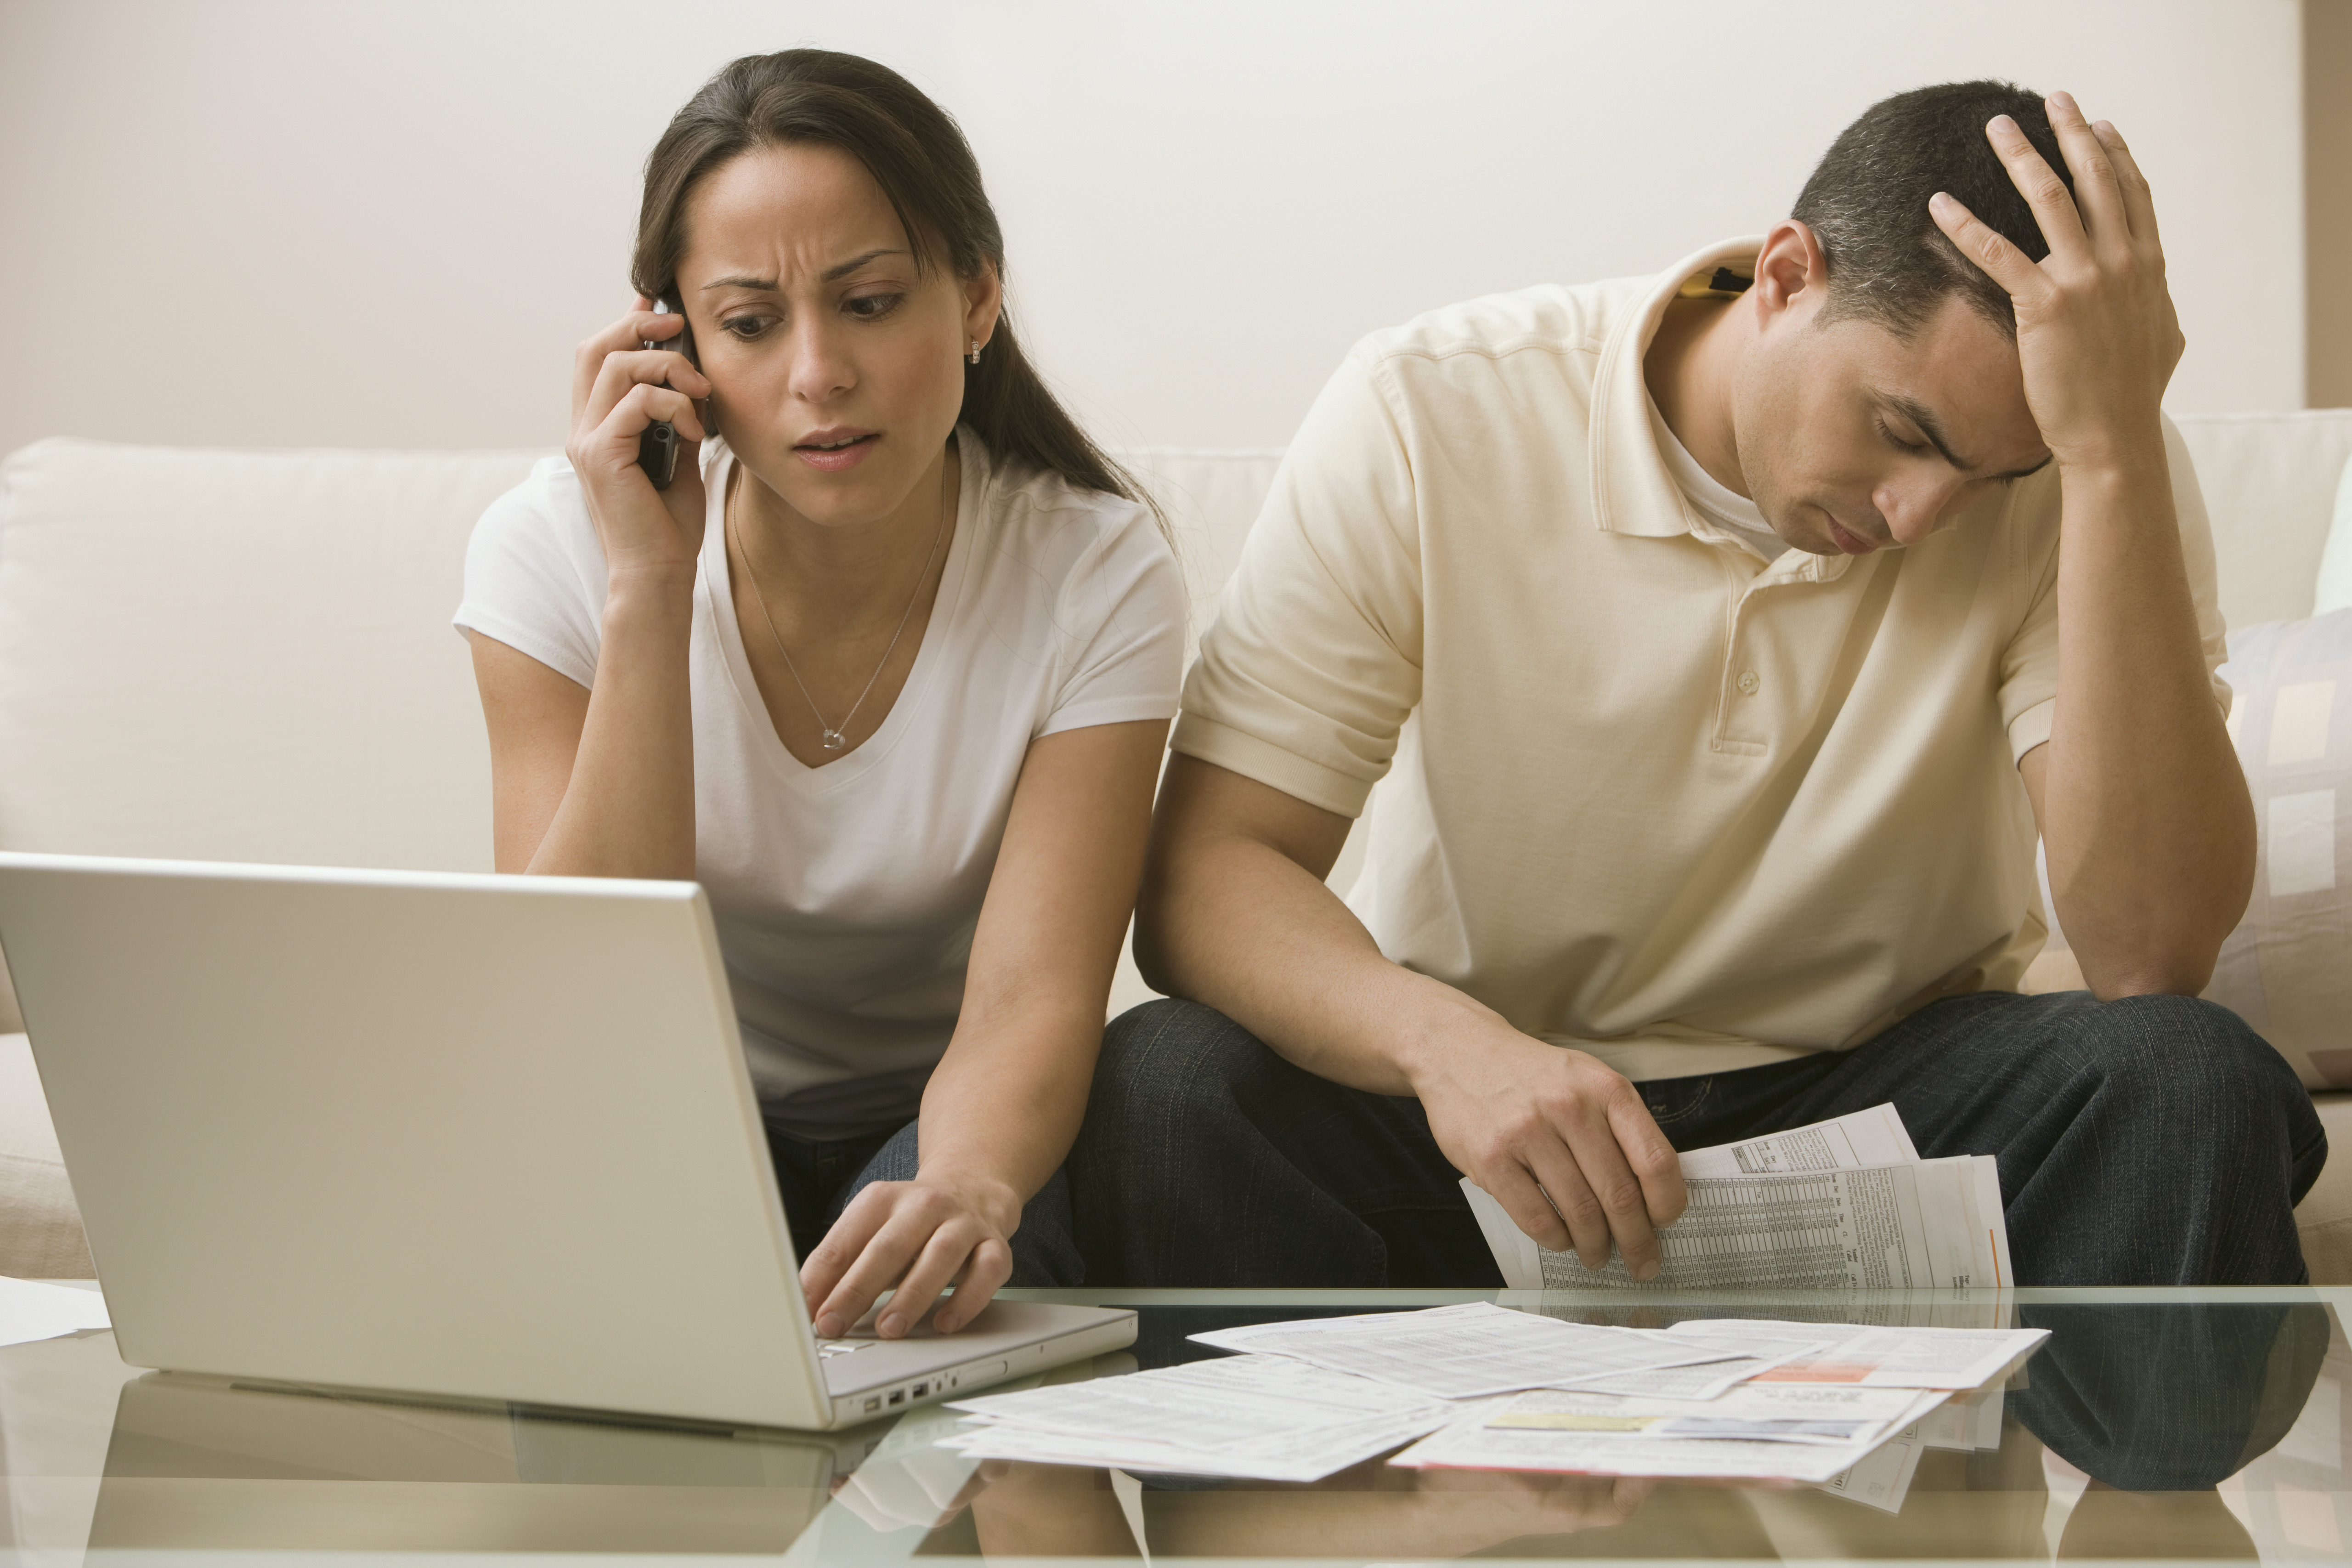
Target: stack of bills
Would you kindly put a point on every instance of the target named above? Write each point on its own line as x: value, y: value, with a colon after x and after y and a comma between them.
x: 1483, y: 1386
x: 1827, y: 1400
x: 1845, y: 1405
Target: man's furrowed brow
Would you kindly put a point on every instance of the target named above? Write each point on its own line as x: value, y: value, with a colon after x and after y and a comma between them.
x: 1920, y: 414
x: 1924, y: 417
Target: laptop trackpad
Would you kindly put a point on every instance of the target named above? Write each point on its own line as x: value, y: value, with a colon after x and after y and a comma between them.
x: 993, y: 1318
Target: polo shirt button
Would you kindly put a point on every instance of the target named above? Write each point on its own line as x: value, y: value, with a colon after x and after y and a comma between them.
x: 1749, y: 682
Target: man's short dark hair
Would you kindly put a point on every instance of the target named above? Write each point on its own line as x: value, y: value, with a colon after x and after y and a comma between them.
x: 1866, y: 202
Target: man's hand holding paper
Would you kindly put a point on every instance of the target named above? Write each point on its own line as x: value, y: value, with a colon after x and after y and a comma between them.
x: 1846, y: 1203
x: 1562, y: 1144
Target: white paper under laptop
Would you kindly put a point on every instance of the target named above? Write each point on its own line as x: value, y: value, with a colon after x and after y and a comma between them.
x: 487, y: 1137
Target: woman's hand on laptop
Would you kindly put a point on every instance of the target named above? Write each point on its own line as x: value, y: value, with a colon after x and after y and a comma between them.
x: 919, y: 1238
x: 1563, y: 1143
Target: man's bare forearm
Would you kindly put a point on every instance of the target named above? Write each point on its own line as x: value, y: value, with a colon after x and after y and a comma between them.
x: 1231, y: 920
x: 2146, y: 819
x: 1236, y: 914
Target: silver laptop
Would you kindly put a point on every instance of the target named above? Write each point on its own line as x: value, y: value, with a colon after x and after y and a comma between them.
x: 487, y: 1138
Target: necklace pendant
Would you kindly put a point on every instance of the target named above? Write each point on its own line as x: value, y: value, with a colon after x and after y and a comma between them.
x: 835, y: 739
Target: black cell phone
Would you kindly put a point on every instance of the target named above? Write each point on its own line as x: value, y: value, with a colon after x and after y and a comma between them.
x: 658, y: 447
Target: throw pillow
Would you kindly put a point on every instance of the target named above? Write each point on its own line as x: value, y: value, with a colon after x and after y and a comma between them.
x: 2287, y: 969
x: 2334, y: 589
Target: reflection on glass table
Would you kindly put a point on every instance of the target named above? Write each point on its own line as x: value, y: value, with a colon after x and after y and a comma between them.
x: 2151, y: 1424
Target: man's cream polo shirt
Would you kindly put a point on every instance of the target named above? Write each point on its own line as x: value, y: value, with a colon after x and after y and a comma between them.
x: 1644, y: 794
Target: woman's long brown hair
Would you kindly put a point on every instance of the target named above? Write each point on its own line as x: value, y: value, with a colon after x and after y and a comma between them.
x: 918, y: 155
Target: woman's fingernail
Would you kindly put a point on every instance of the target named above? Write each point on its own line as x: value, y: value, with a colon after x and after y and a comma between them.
x: 2003, y: 122
x: 1938, y: 202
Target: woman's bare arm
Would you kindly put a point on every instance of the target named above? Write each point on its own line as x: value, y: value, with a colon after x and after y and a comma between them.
x: 1004, y: 1105
x: 600, y: 782
x: 593, y: 784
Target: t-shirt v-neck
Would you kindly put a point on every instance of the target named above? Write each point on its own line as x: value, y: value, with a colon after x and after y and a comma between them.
x: 714, y: 590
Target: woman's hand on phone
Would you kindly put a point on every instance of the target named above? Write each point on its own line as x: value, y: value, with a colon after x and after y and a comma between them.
x: 916, y: 1237
x: 619, y: 388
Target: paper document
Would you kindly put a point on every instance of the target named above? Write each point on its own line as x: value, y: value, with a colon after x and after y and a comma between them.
x: 1881, y: 1478
x: 1972, y: 1422
x: 1882, y: 1357
x: 1843, y: 1404
x: 1756, y: 1413
x: 1792, y: 1210
x: 1704, y: 1381
x: 1873, y: 1137
x: 31, y: 1311
x: 1478, y: 1442
x: 1259, y: 1416
x: 1465, y: 1352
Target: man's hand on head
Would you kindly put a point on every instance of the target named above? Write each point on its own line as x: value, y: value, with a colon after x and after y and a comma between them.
x: 2096, y: 334
x: 1561, y: 1141
x: 2145, y: 818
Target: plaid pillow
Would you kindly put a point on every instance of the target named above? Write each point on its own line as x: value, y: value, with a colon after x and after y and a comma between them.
x: 2287, y: 969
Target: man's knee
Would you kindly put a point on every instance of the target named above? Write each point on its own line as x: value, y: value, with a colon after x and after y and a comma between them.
x: 1165, y: 1052
x: 2197, y: 1067
x: 2185, y: 1046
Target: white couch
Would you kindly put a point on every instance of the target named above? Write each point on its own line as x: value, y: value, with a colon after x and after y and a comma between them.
x: 246, y: 656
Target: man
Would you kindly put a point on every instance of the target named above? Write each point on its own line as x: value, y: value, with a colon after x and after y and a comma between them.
x: 1713, y: 637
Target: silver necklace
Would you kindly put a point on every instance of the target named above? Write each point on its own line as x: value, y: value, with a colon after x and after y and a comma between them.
x: 835, y: 739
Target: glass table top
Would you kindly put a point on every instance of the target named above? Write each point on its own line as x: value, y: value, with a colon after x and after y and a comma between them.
x: 2168, y: 1424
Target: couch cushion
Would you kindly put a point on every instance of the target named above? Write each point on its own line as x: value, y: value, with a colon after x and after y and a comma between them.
x: 2287, y: 969
x: 241, y: 655
x: 2334, y: 589
x: 2269, y: 481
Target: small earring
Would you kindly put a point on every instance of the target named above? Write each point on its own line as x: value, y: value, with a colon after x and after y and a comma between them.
x: 974, y: 357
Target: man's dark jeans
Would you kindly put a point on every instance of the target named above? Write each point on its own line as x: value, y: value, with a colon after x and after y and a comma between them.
x: 2152, y: 1141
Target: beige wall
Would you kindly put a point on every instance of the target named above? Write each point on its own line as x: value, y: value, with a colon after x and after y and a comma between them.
x: 375, y: 224
x: 2327, y: 200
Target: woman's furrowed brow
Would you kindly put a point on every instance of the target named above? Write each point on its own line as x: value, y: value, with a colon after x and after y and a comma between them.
x: 831, y: 274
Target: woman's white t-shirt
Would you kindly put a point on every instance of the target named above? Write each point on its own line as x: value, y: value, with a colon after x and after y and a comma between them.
x: 845, y: 896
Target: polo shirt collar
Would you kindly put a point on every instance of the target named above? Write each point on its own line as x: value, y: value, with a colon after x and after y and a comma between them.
x: 1633, y: 492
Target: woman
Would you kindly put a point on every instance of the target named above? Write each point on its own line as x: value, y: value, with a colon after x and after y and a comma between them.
x: 888, y: 667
